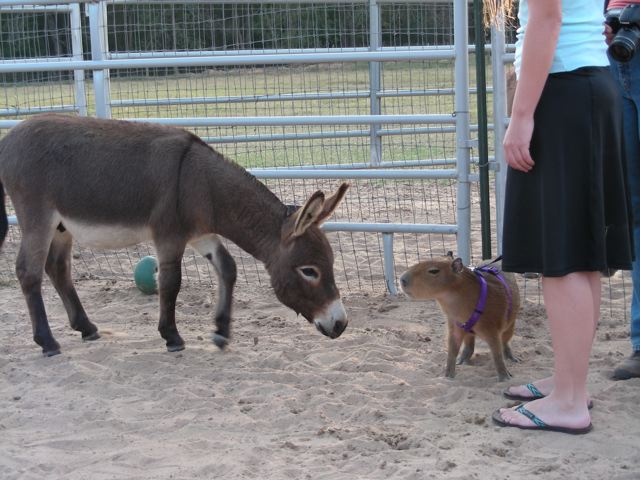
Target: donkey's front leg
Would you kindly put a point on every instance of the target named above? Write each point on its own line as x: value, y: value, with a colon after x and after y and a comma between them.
x: 212, y: 248
x: 169, y: 280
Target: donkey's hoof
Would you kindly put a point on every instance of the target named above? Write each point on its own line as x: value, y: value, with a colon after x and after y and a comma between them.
x: 91, y: 336
x: 50, y: 352
x: 175, y: 348
x: 220, y: 341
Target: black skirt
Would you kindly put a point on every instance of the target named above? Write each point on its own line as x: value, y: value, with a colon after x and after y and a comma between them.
x: 572, y: 211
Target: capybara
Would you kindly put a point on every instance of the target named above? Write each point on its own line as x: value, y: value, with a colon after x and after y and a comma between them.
x: 459, y: 292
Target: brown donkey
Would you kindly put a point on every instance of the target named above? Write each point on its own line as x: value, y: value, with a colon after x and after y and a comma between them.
x: 113, y: 184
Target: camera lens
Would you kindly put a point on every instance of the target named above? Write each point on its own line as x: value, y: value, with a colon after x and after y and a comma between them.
x: 624, y: 45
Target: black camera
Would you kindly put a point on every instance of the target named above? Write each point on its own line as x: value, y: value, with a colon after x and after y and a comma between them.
x: 626, y: 27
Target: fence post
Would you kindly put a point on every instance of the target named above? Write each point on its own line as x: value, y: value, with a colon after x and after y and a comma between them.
x: 499, y: 120
x: 375, y: 83
x: 99, y: 49
x: 483, y: 137
x: 463, y: 143
x: 77, y: 50
x: 388, y: 263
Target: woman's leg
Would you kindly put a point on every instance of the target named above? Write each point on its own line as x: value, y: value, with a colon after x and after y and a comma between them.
x: 596, y: 295
x: 572, y: 322
x: 546, y: 385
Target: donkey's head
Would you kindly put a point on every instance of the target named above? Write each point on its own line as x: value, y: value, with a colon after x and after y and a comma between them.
x: 302, y: 270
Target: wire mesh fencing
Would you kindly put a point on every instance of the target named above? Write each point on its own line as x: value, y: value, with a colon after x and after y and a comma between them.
x: 132, y: 30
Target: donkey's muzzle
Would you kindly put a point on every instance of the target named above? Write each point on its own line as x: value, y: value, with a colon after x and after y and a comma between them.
x: 333, y: 321
x: 338, y: 328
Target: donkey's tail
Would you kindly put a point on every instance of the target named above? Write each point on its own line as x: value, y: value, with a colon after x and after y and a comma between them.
x: 4, y: 221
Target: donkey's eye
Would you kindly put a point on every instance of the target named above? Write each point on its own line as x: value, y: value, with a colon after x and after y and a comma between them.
x: 433, y: 271
x: 309, y: 273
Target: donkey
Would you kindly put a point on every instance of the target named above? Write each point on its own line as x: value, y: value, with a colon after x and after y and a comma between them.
x: 113, y: 183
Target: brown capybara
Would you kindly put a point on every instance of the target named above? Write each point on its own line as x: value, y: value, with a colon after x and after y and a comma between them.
x: 458, y: 291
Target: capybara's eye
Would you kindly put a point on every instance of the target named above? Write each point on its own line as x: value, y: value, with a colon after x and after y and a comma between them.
x: 433, y: 271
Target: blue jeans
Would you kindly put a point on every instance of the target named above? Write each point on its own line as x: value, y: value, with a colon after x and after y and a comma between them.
x: 628, y: 77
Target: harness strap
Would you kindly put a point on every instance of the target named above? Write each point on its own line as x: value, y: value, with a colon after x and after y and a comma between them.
x: 482, y: 300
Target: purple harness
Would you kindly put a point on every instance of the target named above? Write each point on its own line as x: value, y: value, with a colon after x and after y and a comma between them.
x: 482, y: 301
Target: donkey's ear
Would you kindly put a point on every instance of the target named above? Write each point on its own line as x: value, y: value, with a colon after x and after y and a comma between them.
x: 306, y: 216
x: 331, y: 203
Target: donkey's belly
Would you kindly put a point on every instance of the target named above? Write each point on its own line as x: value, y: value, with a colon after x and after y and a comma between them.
x: 106, y: 236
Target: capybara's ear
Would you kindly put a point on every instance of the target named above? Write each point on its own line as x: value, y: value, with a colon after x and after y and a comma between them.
x: 450, y: 254
x: 457, y: 265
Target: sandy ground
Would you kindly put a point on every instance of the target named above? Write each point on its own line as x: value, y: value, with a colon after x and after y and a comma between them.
x: 284, y: 402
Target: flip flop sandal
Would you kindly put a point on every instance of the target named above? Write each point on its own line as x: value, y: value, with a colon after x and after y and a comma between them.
x: 538, y: 424
x: 535, y: 395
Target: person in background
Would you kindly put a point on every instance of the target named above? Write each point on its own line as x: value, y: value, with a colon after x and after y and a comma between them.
x: 567, y: 211
x: 627, y: 74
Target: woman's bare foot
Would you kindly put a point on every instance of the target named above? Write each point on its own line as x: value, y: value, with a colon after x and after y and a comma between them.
x: 534, y: 391
x: 546, y: 414
x: 524, y: 392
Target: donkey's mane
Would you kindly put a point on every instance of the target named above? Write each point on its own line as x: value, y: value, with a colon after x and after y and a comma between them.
x: 261, y: 187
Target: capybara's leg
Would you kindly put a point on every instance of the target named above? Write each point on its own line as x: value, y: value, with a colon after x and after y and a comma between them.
x: 467, y: 352
x: 454, y: 342
x: 507, y: 335
x: 508, y: 354
x: 497, y: 352
x: 58, y: 268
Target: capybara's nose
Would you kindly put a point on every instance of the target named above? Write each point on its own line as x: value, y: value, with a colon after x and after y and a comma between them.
x: 404, y: 280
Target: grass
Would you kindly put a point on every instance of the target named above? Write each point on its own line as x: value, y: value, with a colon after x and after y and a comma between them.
x: 253, y: 82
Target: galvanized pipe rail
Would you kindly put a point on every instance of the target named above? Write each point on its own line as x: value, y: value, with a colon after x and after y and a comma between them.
x: 102, y: 62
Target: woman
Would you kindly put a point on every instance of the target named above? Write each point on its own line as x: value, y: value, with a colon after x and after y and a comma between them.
x: 566, y: 205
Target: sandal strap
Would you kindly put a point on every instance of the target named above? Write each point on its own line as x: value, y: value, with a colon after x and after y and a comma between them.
x: 534, y: 391
x: 531, y: 416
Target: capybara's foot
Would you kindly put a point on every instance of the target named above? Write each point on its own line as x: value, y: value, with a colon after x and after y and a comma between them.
x: 508, y: 354
x: 465, y: 357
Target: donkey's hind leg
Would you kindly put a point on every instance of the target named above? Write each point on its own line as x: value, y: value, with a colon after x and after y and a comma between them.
x: 170, y: 252
x: 58, y: 268
x: 212, y: 248
x: 32, y: 255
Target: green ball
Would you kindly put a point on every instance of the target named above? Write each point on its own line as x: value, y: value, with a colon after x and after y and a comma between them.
x: 146, y: 275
